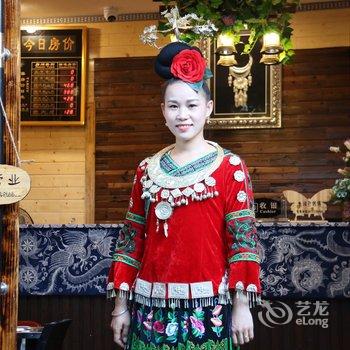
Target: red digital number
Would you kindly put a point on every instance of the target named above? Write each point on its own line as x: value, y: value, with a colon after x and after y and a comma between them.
x: 68, y: 98
x: 68, y: 112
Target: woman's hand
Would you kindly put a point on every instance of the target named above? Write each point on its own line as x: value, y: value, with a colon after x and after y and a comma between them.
x: 120, y: 326
x: 120, y: 323
x: 242, y: 321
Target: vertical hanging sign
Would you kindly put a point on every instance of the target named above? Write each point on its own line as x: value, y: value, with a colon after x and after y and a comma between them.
x: 53, y: 76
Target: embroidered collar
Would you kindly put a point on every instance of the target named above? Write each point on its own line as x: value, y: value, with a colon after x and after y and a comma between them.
x: 188, y: 178
x: 170, y: 167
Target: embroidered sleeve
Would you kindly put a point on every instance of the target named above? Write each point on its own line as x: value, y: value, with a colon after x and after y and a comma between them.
x: 130, y: 243
x: 241, y: 233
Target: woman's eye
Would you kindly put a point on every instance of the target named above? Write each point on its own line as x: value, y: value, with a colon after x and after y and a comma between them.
x: 192, y: 106
x: 172, y: 106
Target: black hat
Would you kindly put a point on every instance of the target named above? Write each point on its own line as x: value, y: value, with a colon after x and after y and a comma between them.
x: 166, y: 55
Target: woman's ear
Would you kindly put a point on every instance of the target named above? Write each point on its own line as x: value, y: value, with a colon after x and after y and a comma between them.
x: 210, y: 105
x: 162, y: 106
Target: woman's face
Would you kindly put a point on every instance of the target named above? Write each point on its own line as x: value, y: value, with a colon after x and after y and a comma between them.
x: 185, y: 111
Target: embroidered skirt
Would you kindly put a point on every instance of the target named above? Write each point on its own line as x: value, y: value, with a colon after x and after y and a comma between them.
x: 193, y: 328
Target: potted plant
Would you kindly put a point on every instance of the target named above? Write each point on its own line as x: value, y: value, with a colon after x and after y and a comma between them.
x: 341, y: 188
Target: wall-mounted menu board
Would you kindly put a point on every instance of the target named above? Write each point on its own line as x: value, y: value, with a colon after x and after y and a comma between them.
x: 53, y: 76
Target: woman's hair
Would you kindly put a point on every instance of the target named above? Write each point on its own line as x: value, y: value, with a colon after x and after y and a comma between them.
x: 163, y: 67
x: 169, y: 82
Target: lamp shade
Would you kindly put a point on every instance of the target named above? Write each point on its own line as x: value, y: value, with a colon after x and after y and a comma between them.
x: 225, y: 44
x: 271, y: 43
x: 270, y: 59
x: 227, y: 61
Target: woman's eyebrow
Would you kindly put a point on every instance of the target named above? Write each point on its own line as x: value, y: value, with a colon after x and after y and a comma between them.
x: 190, y: 100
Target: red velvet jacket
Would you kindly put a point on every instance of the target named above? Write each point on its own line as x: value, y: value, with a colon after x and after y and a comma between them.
x: 211, y: 244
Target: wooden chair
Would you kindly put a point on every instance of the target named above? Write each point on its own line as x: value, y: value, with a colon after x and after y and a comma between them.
x: 53, y: 335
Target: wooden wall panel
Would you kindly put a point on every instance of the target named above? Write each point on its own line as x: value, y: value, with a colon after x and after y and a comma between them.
x: 57, y: 173
x: 315, y: 115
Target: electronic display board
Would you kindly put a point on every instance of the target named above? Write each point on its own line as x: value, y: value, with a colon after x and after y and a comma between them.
x: 53, y: 76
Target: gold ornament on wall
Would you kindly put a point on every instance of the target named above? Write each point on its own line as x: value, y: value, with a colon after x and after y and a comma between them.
x: 240, y: 78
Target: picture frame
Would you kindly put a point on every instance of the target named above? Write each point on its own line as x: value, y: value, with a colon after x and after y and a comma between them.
x: 264, y: 95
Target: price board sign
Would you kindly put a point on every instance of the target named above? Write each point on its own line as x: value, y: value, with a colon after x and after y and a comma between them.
x: 53, y: 76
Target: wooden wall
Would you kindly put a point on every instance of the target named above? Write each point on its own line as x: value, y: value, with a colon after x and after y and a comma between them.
x: 91, y: 318
x: 67, y: 195
x: 315, y: 115
x: 57, y: 173
x: 320, y: 29
x: 129, y: 127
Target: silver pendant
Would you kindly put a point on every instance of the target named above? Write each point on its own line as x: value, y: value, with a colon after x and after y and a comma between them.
x: 188, y: 191
x: 165, y: 194
x: 235, y: 160
x: 199, y: 187
x: 239, y: 175
x: 210, y: 181
x: 148, y: 183
x: 163, y: 210
x: 176, y: 192
x: 154, y: 189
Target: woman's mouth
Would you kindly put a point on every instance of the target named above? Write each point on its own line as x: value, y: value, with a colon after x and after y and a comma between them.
x: 183, y: 127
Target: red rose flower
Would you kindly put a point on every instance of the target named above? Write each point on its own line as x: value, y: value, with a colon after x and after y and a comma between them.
x: 158, y: 327
x: 188, y: 65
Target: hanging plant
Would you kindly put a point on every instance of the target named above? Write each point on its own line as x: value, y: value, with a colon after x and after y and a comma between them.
x: 233, y: 16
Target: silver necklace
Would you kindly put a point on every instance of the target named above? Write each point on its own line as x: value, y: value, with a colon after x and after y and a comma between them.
x: 173, y: 191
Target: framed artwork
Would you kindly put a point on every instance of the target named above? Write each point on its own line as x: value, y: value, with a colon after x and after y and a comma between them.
x: 53, y: 76
x: 246, y: 95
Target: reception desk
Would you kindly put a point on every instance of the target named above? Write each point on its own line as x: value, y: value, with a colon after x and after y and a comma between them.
x: 305, y: 277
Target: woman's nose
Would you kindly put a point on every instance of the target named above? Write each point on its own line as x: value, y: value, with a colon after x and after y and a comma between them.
x: 183, y: 114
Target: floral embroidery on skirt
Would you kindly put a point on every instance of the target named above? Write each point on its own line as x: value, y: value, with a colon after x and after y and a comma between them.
x: 200, y: 328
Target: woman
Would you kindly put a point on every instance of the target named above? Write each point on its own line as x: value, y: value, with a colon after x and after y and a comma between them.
x: 187, y: 254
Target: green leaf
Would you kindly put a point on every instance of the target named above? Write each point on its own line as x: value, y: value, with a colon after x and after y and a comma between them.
x: 196, y: 332
x: 171, y: 315
x: 172, y: 338
x: 287, y: 32
x: 251, y: 36
x: 282, y: 55
x: 216, y: 3
x: 199, y: 314
x: 287, y: 45
x: 236, y: 38
x: 162, y: 25
x: 246, y: 48
x: 158, y: 316
x: 158, y: 337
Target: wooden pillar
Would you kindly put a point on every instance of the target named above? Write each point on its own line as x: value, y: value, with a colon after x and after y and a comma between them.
x: 10, y: 241
x: 90, y: 164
